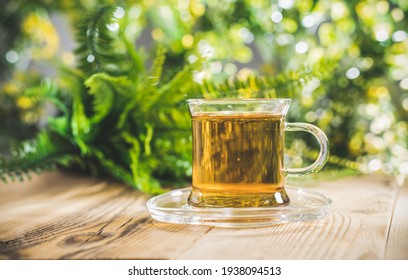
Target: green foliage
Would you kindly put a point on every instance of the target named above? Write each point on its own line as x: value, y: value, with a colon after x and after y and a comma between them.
x: 283, y: 85
x: 41, y: 153
x: 95, y: 50
x: 121, y: 120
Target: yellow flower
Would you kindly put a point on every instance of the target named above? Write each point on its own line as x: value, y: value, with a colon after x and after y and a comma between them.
x: 24, y: 102
x: 43, y: 35
x: 10, y: 88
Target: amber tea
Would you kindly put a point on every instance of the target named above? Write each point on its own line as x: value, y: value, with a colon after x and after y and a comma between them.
x: 238, y: 150
x: 238, y: 159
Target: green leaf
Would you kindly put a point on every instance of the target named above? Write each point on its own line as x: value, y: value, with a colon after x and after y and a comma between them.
x: 146, y: 93
x: 80, y: 123
x: 47, y: 91
x: 111, y: 168
x: 178, y: 87
x: 95, y: 39
x: 284, y: 84
x: 61, y: 126
x: 147, y: 139
x: 40, y: 153
x: 156, y: 70
x: 103, y: 96
x: 141, y: 176
x: 166, y: 108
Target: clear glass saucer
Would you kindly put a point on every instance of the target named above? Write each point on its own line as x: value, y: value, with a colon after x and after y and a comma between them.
x: 305, y: 205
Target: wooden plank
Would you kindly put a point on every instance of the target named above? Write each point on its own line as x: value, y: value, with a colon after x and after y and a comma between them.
x: 356, y: 228
x: 397, y: 243
x: 60, y: 216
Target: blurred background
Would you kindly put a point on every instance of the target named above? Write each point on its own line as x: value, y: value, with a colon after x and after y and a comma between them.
x: 362, y: 105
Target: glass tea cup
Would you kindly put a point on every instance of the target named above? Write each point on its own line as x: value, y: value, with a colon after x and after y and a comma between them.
x: 238, y: 152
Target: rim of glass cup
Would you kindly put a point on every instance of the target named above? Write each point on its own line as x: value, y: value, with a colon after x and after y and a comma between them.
x: 221, y: 101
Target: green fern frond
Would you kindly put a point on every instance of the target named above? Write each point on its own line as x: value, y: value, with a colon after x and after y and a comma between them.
x: 111, y: 168
x: 80, y: 123
x: 160, y: 104
x: 147, y: 91
x: 95, y: 52
x: 144, y: 91
x: 142, y: 178
x: 167, y: 108
x: 47, y: 91
x: 155, y: 73
x: 40, y: 153
x: 177, y: 88
x: 125, y: 113
x: 147, y: 138
x: 61, y: 126
x: 110, y: 94
x: 135, y: 56
x: 103, y: 96
x: 285, y: 84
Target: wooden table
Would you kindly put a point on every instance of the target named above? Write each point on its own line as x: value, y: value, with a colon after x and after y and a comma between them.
x: 65, y: 216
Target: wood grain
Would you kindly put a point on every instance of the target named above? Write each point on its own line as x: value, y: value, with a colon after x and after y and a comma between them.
x: 356, y: 228
x: 397, y: 243
x: 62, y: 216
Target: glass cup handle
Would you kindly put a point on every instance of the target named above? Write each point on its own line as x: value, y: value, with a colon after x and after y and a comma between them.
x: 324, y: 149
